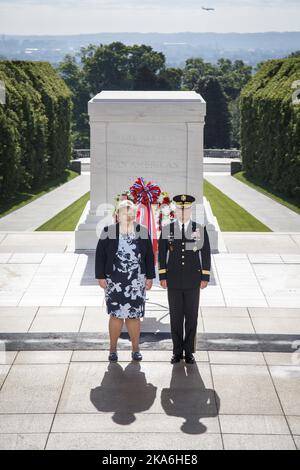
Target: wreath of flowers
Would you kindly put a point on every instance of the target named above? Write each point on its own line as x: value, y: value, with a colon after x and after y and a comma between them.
x: 164, y: 207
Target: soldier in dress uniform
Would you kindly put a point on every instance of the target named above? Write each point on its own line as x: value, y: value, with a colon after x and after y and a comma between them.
x: 184, y: 267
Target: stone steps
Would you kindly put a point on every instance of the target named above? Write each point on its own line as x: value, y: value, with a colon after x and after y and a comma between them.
x: 279, y: 343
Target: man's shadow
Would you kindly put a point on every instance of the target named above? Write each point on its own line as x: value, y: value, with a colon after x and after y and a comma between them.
x: 188, y: 398
x: 124, y: 392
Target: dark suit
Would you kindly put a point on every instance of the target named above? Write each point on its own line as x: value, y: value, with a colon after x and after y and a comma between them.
x: 183, y: 262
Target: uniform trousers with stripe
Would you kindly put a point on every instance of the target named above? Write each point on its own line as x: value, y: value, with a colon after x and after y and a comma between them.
x: 183, y: 305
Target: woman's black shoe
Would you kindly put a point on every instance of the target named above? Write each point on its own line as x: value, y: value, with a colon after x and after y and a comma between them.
x: 136, y: 356
x: 176, y: 358
x: 113, y: 357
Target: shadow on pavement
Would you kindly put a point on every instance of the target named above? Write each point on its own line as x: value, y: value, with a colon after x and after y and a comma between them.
x: 188, y: 398
x: 124, y: 392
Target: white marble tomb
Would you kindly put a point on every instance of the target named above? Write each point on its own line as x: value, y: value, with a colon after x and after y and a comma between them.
x: 154, y: 134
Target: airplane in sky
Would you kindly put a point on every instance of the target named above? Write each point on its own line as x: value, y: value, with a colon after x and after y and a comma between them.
x: 208, y: 9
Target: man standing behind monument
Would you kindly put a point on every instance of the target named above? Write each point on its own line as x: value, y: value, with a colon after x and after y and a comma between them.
x: 183, y: 273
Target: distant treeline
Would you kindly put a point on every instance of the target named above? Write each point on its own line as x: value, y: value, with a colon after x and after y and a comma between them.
x: 35, y: 142
x: 252, y: 48
x: 117, y: 66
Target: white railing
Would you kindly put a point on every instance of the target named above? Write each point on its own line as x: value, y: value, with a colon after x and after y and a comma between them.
x: 211, y: 153
x: 81, y: 153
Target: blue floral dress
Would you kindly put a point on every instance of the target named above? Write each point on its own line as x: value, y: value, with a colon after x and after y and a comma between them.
x: 125, y: 293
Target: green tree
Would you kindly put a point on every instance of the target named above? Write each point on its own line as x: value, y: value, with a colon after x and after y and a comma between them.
x: 195, y: 68
x: 74, y: 76
x: 105, y: 67
x: 170, y: 79
x: 295, y: 54
x: 217, y: 130
x: 112, y: 66
x: 232, y: 77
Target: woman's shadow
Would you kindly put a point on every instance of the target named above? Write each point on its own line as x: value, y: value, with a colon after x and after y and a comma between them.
x: 188, y: 398
x: 124, y: 392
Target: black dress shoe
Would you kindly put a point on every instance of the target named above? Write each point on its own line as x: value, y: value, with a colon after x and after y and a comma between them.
x: 176, y: 358
x: 189, y: 359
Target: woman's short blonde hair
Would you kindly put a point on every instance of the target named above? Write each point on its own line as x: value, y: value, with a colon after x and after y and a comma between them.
x: 126, y: 203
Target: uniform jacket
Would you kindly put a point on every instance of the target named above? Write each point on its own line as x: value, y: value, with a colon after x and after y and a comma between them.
x: 107, y: 247
x: 184, y: 262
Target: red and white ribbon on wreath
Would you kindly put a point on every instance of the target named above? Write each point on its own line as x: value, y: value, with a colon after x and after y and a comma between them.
x: 145, y: 195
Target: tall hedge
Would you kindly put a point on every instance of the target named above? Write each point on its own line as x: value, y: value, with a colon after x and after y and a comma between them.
x: 270, y: 127
x: 34, y: 125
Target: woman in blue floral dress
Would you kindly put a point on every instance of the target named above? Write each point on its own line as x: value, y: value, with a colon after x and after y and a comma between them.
x: 124, y: 266
x: 125, y: 292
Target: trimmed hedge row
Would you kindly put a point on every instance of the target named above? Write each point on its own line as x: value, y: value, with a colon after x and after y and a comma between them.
x: 270, y: 127
x: 34, y: 125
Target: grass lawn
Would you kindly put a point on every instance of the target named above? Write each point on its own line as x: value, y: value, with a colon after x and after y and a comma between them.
x: 67, y: 219
x: 231, y: 217
x: 268, y: 191
x: 20, y: 199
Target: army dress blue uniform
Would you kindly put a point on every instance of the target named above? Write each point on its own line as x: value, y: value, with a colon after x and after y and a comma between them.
x: 184, y: 260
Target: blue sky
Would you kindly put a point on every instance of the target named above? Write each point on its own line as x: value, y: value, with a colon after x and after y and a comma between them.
x: 91, y: 16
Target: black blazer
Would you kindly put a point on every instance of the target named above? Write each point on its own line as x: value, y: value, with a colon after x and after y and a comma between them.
x: 108, y: 244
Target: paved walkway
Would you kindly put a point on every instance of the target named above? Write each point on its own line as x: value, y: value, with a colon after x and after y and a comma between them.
x: 77, y: 400
x: 239, y: 397
x: 259, y: 270
x: 57, y: 390
x: 224, y: 321
x: 33, y: 215
x: 274, y: 215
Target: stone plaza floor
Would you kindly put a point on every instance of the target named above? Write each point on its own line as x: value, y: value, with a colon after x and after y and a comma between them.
x: 42, y: 269
x: 76, y: 400
x: 57, y: 390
